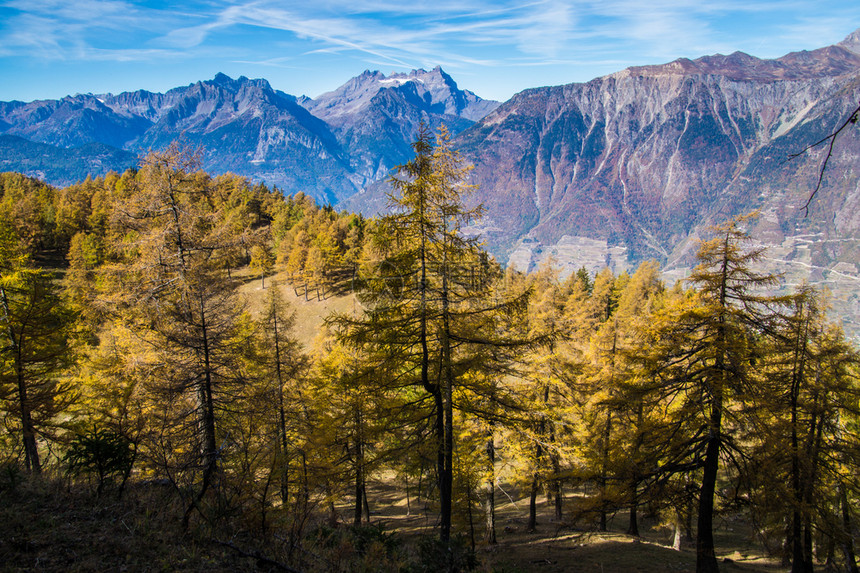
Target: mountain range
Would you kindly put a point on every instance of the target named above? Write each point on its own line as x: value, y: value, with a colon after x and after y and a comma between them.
x: 330, y: 147
x: 626, y: 167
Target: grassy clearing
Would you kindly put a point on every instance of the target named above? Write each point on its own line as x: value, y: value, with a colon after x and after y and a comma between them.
x: 311, y: 310
x: 572, y: 546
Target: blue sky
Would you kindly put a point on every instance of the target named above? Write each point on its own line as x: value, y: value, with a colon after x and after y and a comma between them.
x: 52, y: 48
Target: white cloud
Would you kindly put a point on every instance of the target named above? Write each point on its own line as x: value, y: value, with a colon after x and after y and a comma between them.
x: 63, y: 30
x: 454, y: 33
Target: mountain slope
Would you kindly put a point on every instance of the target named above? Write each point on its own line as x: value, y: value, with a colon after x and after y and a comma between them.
x: 329, y: 148
x: 642, y: 157
x: 246, y: 127
x: 638, y: 164
x: 70, y: 122
x: 376, y: 117
x: 63, y: 166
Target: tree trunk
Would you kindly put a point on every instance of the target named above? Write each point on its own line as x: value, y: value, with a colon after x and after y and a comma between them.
x: 28, y: 431
x: 604, y: 470
x: 31, y: 451
x: 532, y: 523
x: 284, y: 458
x: 706, y: 559
x: 799, y: 563
x: 447, y: 481
x: 491, y: 491
x: 359, y: 477
x: 847, y: 536
x: 556, y: 484
x: 366, y: 502
x: 633, y: 527
x: 210, y: 446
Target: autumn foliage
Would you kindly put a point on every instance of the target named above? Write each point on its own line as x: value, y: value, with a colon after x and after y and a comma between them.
x: 134, y: 352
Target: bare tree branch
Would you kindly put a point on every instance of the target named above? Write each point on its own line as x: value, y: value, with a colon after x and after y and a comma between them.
x: 852, y: 119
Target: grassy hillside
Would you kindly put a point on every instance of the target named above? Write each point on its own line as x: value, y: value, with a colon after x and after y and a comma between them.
x: 311, y: 308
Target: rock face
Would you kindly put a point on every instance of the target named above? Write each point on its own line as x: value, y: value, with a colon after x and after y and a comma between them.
x: 643, y: 159
x: 329, y: 148
x: 638, y: 164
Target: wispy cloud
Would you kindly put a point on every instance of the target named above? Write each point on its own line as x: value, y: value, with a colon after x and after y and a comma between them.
x: 575, y: 36
x: 392, y: 31
x: 62, y: 30
x: 400, y: 33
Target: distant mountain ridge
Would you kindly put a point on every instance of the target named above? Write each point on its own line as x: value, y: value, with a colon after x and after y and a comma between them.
x: 644, y: 157
x: 329, y: 148
x: 629, y: 166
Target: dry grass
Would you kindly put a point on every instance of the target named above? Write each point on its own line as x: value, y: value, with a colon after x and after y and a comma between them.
x: 311, y: 310
x: 47, y: 525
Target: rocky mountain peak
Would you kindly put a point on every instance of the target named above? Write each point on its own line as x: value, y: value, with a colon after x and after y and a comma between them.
x: 434, y: 91
x: 851, y: 42
x: 222, y: 79
x: 227, y: 83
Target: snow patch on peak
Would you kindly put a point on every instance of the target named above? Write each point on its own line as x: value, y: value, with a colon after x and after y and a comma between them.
x: 397, y: 81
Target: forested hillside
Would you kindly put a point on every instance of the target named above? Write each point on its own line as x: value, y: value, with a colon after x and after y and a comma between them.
x: 148, y: 354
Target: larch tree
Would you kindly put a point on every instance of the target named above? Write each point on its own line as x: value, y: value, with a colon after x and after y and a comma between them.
x: 283, y: 363
x: 807, y: 391
x: 637, y: 300
x: 706, y: 345
x: 428, y: 304
x: 544, y: 394
x: 35, y: 336
x: 164, y: 282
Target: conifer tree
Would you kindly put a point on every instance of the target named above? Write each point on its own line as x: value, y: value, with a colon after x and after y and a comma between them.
x: 283, y: 363
x: 705, y: 346
x: 165, y: 284
x: 806, y: 391
x: 544, y: 395
x: 428, y: 299
x: 35, y: 330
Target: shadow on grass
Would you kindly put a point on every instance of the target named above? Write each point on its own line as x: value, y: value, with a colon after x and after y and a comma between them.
x: 604, y: 553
